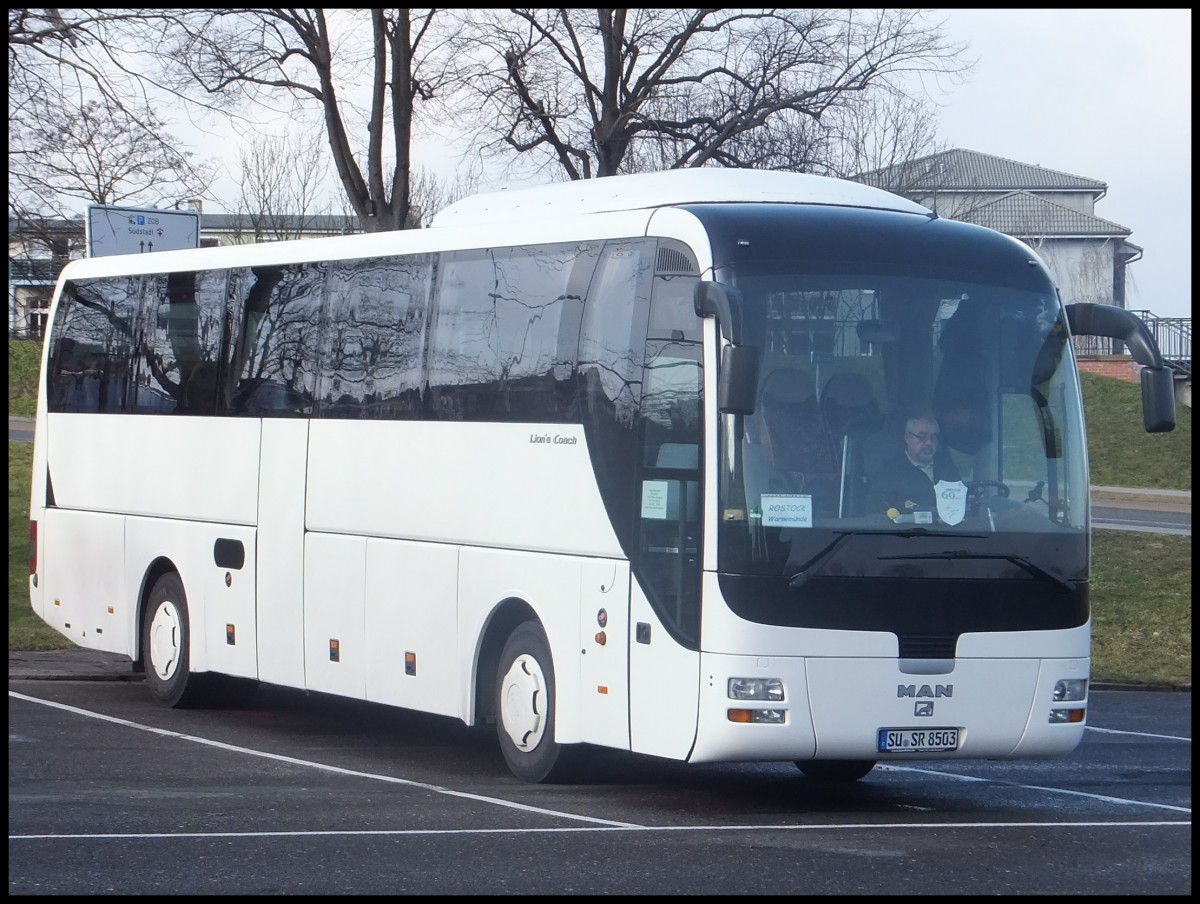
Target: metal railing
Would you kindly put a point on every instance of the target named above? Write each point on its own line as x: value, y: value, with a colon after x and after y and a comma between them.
x: 28, y: 271
x: 1172, y: 334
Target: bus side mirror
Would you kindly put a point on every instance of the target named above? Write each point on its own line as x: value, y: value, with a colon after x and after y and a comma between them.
x: 1158, y: 384
x: 1158, y: 399
x: 714, y: 299
x: 737, y: 387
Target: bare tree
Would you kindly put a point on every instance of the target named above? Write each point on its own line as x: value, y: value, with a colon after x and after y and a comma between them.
x: 96, y: 155
x: 429, y: 194
x: 282, y: 188
x: 874, y: 131
x: 72, y: 54
x: 364, y: 71
x: 282, y: 180
x: 579, y: 93
x: 81, y: 129
x: 592, y: 93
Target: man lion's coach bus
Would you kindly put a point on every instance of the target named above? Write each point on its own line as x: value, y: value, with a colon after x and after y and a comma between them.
x: 592, y: 462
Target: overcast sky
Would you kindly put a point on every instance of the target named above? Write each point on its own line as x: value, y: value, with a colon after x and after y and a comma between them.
x: 1105, y: 94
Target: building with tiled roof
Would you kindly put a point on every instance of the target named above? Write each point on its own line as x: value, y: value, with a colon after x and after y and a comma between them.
x: 1050, y: 210
x: 960, y: 170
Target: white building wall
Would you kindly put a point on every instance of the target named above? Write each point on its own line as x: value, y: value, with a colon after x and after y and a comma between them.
x: 1082, y: 268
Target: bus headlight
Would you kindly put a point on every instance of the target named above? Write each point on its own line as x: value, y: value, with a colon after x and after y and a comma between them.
x: 1070, y: 689
x: 755, y: 689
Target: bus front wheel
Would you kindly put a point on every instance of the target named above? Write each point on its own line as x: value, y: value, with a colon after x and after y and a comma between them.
x: 525, y: 708
x: 835, y: 770
x: 165, y: 644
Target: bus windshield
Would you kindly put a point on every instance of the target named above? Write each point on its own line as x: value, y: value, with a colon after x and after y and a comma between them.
x: 867, y: 380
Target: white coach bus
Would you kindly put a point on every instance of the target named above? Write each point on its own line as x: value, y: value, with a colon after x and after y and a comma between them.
x: 593, y: 461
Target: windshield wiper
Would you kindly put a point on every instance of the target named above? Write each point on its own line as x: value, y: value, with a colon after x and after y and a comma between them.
x: 1032, y: 567
x: 801, y: 576
x: 806, y: 570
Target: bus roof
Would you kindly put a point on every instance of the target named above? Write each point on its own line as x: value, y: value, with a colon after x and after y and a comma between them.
x: 567, y: 211
x: 640, y: 191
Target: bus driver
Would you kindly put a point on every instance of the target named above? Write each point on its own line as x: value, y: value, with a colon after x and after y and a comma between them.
x: 903, y: 486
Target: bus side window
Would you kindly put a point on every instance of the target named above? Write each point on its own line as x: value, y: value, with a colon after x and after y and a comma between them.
x: 179, y: 354
x: 373, y: 350
x: 92, y: 351
x: 498, y: 347
x: 277, y: 340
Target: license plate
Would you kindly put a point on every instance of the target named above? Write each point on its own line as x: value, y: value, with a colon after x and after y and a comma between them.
x: 917, y: 740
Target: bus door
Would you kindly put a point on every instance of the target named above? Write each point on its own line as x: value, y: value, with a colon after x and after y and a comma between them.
x: 664, y: 664
x: 664, y: 629
x: 640, y: 377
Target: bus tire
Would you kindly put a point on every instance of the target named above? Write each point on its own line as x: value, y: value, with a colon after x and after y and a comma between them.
x: 525, y: 708
x: 835, y: 770
x: 166, y: 639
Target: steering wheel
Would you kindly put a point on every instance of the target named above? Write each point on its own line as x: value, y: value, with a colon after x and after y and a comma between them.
x: 976, y: 487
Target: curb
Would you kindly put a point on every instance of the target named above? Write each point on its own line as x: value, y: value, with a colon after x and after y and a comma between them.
x: 1130, y: 497
x: 77, y: 664
x: 1113, y: 686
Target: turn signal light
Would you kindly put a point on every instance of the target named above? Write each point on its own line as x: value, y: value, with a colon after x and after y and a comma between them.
x: 760, y: 716
x: 1066, y: 716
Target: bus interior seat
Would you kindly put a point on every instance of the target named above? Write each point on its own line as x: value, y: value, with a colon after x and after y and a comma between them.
x: 851, y: 415
x: 788, y: 403
x: 678, y: 455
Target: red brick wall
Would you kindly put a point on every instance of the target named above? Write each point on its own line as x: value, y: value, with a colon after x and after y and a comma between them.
x: 1119, y: 366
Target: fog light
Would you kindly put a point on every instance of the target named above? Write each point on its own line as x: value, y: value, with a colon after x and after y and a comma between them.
x: 761, y: 716
x: 1064, y: 716
x: 755, y: 689
x: 1070, y: 689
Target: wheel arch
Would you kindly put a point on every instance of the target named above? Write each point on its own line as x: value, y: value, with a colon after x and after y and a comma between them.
x: 503, y: 619
x: 160, y: 566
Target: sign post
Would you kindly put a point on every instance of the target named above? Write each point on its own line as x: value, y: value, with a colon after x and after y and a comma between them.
x: 133, y: 230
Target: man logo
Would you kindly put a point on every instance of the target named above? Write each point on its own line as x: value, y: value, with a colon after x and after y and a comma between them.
x: 911, y: 690
x: 923, y: 708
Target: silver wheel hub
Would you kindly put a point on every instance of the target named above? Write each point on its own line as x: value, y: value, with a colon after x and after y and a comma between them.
x: 523, y: 703
x: 165, y: 638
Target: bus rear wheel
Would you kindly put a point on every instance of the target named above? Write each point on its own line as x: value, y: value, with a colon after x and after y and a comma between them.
x: 166, y: 638
x: 835, y: 770
x: 525, y: 708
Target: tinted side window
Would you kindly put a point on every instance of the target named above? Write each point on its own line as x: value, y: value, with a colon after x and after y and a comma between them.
x: 505, y: 335
x: 277, y: 340
x: 668, y: 555
x: 374, y: 347
x: 91, y: 365
x: 612, y: 346
x: 180, y: 342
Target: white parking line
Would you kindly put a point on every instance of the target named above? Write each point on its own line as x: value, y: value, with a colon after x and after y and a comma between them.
x: 1140, y: 734
x: 890, y: 767
x: 622, y: 828
x: 611, y: 824
x: 322, y: 766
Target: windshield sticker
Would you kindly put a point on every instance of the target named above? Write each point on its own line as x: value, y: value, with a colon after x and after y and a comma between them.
x: 787, y: 511
x: 951, y: 500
